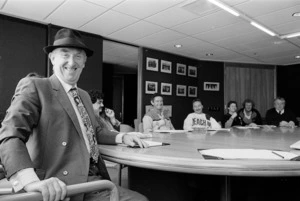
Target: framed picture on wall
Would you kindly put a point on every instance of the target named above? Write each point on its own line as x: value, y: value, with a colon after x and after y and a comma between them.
x: 192, y: 91
x: 166, y: 88
x: 152, y: 64
x: 181, y: 90
x: 151, y: 87
x: 180, y: 69
x: 211, y: 86
x: 192, y: 71
x: 165, y: 66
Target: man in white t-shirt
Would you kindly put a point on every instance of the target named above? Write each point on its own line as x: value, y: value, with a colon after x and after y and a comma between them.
x: 197, y: 119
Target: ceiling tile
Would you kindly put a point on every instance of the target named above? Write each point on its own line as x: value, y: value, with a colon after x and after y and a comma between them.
x: 144, y: 8
x: 105, y: 3
x: 159, y: 38
x: 171, y: 17
x: 67, y: 14
x: 256, y: 8
x: 34, y: 10
x: 230, y: 31
x: 207, y: 23
x: 108, y: 23
x: 136, y: 31
x: 287, y: 28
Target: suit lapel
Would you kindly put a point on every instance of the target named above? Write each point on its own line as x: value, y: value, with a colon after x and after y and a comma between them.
x: 64, y: 100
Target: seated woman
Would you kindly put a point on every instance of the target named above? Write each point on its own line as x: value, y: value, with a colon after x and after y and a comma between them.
x: 157, y: 118
x: 231, y: 118
x: 199, y: 119
x: 105, y: 117
x: 250, y: 116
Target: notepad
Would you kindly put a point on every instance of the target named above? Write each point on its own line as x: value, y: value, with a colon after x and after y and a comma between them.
x: 246, y: 154
x: 170, y: 131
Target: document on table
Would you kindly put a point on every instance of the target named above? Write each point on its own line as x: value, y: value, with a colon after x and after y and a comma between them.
x: 247, y: 127
x: 218, y: 129
x: 150, y: 144
x: 296, y: 145
x: 170, y: 131
x: 246, y: 154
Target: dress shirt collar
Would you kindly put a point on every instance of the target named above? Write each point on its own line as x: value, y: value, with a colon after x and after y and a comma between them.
x: 67, y: 87
x: 280, y: 112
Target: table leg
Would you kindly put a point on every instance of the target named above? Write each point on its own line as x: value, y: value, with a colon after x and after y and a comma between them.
x: 226, y: 189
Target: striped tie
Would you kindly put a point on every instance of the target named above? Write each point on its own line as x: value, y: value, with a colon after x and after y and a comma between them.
x: 94, y: 152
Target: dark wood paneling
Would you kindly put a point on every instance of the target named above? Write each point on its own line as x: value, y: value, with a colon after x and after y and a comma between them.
x: 182, y: 106
x: 21, y: 45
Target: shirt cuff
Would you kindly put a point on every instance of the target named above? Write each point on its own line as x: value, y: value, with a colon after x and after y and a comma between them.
x: 23, y: 177
x: 119, y: 138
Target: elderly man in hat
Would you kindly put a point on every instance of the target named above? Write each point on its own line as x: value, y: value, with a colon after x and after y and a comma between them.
x: 49, y: 136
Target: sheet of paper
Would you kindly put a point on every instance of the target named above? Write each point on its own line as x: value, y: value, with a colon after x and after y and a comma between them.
x: 150, y: 143
x: 296, y: 145
x: 218, y: 129
x: 247, y: 127
x: 170, y: 131
x: 254, y: 154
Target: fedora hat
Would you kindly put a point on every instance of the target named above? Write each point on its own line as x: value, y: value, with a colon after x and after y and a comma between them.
x: 68, y: 38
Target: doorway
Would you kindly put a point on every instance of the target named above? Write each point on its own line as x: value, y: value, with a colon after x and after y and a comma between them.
x: 120, y: 63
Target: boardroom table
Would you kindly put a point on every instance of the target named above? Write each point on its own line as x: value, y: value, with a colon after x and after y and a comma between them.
x: 161, y: 164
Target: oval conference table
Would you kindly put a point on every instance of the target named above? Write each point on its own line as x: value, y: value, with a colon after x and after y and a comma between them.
x: 182, y: 155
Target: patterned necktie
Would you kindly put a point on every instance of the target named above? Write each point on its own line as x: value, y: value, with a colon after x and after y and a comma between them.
x: 94, y: 152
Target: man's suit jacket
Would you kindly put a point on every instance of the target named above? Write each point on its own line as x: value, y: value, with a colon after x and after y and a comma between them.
x: 41, y: 130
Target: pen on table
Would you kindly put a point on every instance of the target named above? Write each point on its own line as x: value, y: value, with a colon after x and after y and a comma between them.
x: 277, y: 154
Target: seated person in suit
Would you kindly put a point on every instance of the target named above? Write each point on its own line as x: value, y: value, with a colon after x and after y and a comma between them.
x: 157, y: 118
x: 231, y: 118
x: 279, y: 116
x: 199, y: 119
x: 250, y: 116
x: 105, y: 117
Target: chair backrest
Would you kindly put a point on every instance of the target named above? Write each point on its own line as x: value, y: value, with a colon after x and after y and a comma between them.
x: 126, y: 128
x: 136, y: 125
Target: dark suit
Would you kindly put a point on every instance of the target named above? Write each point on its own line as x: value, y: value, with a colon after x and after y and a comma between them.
x: 42, y: 116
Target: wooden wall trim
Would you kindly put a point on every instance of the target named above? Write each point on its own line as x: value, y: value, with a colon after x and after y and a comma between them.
x: 139, y: 83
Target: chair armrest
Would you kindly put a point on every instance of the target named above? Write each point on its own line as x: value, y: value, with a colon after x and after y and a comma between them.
x: 71, y: 191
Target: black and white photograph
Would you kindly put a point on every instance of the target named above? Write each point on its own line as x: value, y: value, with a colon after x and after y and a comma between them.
x: 181, y: 90
x: 211, y: 86
x: 180, y: 69
x: 152, y: 64
x: 166, y: 88
x: 165, y: 66
x: 192, y: 71
x: 192, y: 91
x: 151, y: 87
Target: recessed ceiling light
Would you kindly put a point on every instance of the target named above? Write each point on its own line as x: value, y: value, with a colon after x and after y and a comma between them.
x: 297, y: 57
x: 209, y: 54
x: 296, y: 14
x: 178, y: 46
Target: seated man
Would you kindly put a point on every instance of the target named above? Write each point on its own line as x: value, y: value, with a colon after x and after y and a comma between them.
x: 157, y: 118
x: 279, y: 116
x: 198, y: 119
x: 250, y: 116
x: 105, y: 117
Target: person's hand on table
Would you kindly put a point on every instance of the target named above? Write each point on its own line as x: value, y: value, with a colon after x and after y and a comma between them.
x: 133, y: 140
x: 52, y: 189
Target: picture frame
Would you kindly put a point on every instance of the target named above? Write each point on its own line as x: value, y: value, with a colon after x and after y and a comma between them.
x: 192, y: 71
x: 211, y: 86
x: 165, y: 66
x: 150, y: 87
x: 167, y: 108
x: 180, y: 69
x: 166, y: 88
x: 192, y: 91
x: 181, y: 90
x: 152, y: 64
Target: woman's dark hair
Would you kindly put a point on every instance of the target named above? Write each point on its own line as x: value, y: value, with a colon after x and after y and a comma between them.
x: 231, y: 102
x: 248, y: 101
x: 197, y: 100
x: 95, y: 94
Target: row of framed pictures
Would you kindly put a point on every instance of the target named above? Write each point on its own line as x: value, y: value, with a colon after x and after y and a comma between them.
x: 166, y: 89
x: 166, y: 67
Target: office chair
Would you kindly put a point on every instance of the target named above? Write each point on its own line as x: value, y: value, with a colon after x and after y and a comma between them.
x: 6, y: 190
